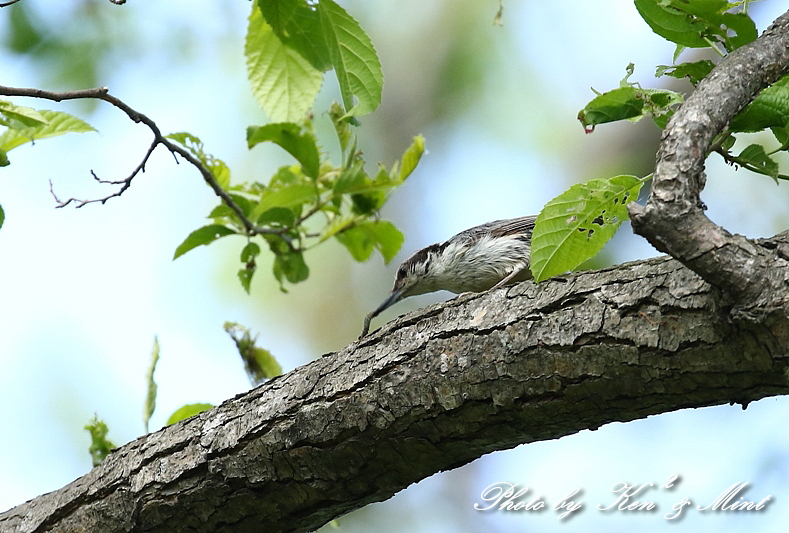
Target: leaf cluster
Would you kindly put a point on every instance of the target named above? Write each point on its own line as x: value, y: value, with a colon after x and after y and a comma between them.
x: 286, y: 210
x: 290, y: 44
x: 574, y: 226
x: 719, y: 26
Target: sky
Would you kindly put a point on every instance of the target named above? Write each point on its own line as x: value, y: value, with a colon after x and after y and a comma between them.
x: 83, y: 292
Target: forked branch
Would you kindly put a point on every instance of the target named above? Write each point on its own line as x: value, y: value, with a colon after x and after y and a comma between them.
x: 102, y: 93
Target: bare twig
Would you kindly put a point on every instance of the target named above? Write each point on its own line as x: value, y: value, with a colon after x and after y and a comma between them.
x: 102, y: 93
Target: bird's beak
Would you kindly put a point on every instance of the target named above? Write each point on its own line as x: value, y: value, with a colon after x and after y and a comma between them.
x: 393, y: 298
x: 390, y: 300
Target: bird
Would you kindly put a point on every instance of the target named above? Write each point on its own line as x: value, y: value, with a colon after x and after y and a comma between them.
x: 484, y: 257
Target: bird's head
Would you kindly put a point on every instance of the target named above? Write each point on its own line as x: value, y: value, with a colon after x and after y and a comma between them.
x: 414, y: 277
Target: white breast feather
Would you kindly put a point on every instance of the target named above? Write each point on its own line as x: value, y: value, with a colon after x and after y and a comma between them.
x: 478, y: 267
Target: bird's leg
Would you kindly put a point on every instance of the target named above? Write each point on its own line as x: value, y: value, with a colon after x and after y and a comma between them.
x: 515, y: 271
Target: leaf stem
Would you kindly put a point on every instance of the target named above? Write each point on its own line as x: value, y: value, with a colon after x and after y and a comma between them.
x: 744, y: 163
x: 714, y: 46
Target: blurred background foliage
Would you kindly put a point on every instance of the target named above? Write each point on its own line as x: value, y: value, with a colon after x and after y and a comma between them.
x: 83, y: 292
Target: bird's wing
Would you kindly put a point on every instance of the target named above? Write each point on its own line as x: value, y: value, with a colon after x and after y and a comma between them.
x: 498, y: 228
x: 513, y: 226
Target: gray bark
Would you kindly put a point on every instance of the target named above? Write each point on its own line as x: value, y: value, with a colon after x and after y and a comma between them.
x: 431, y: 391
x: 438, y: 388
x: 673, y: 219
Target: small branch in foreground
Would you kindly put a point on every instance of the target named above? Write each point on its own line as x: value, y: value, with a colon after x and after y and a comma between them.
x: 102, y: 93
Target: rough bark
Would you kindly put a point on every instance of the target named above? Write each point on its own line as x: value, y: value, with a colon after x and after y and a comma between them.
x: 430, y: 391
x: 673, y: 219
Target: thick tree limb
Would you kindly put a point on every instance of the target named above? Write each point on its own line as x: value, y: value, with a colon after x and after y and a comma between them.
x: 431, y: 391
x: 673, y: 219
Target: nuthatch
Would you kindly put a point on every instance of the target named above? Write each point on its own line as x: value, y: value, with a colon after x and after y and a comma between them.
x: 475, y: 260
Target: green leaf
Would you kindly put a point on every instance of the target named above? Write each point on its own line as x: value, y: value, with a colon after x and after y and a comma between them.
x: 2, y: 216
x: 259, y: 364
x: 359, y: 241
x: 221, y: 172
x: 672, y: 24
x: 265, y: 365
x: 411, y: 157
x: 245, y: 277
x: 57, y: 123
x: 188, y: 411
x: 351, y: 178
x: 728, y: 141
x: 362, y: 238
x: 283, y: 81
x: 629, y: 102
x: 204, y: 235
x: 100, y: 446
x: 341, y: 125
x: 222, y: 213
x: 756, y: 156
x: 277, y: 216
x: 298, y: 26
x: 249, y: 252
x: 24, y: 116
x: 337, y: 224
x: 216, y: 166
x: 618, y: 104
x: 354, y: 58
x: 677, y: 51
x: 769, y: 109
x: 290, y: 266
x: 245, y: 204
x: 300, y: 144
x: 289, y: 263
x: 695, y: 71
x: 575, y: 225
x: 25, y: 35
x: 4, y: 162
x: 659, y: 100
x: 150, y: 397
x: 698, y: 23
x: 248, y: 255
x: 287, y: 196
x: 743, y: 27
x: 388, y: 238
x: 368, y: 203
x: 781, y: 135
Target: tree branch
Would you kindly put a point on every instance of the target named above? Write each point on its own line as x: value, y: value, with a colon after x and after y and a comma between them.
x: 673, y: 219
x: 431, y: 391
x: 102, y: 93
